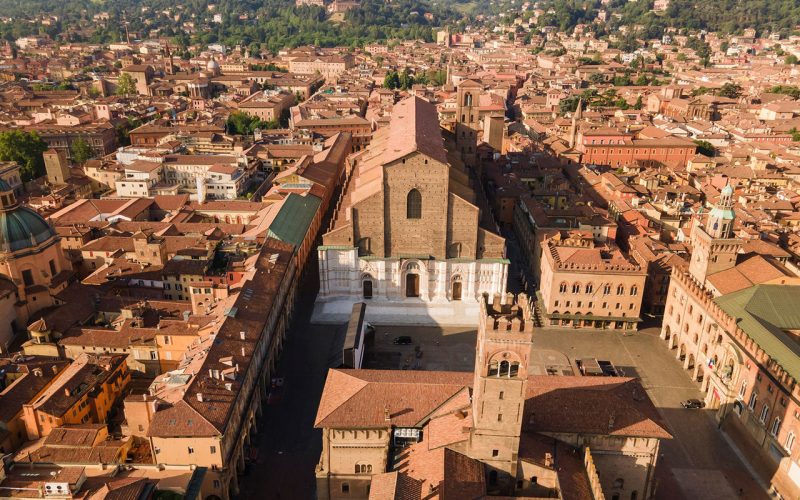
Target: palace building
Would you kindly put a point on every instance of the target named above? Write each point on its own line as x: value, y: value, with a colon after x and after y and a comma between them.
x: 731, y: 319
x: 408, y: 235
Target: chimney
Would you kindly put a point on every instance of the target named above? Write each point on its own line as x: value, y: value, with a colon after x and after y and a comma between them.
x: 386, y: 415
x: 611, y: 419
x: 242, y: 335
x: 200, y: 396
x: 67, y: 392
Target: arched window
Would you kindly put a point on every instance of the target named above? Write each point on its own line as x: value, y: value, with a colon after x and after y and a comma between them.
x: 789, y: 443
x: 634, y: 290
x: 576, y: 288
x: 467, y: 99
x: 606, y: 289
x: 589, y: 287
x: 562, y: 288
x: 514, y: 370
x: 504, y: 369
x: 776, y: 426
x: 619, y: 483
x: 414, y: 205
x: 620, y: 289
x: 493, y: 369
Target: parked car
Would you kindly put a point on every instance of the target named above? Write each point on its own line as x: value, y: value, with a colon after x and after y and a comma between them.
x: 403, y: 340
x: 693, y: 404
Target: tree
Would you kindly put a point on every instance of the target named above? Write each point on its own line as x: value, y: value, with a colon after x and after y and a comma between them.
x: 406, y: 80
x: 126, y: 85
x: 391, y: 80
x: 240, y: 123
x: 568, y: 105
x: 730, y: 90
x: 638, y: 104
x: 596, y: 78
x: 81, y: 150
x: 25, y: 148
x: 705, y: 148
x: 791, y: 59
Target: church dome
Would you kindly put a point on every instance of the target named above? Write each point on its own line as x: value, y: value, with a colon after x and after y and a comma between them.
x: 212, y: 66
x: 727, y: 190
x: 20, y: 227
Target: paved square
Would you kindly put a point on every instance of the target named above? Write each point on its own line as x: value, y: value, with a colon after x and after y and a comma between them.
x: 432, y: 348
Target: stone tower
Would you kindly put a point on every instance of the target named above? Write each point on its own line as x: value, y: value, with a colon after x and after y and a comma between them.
x: 714, y: 248
x: 577, y: 116
x: 505, y: 334
x: 56, y: 165
x: 169, y: 67
x: 467, y: 119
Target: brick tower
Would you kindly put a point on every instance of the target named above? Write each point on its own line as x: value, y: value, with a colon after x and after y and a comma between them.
x: 714, y: 247
x: 467, y: 120
x: 505, y: 334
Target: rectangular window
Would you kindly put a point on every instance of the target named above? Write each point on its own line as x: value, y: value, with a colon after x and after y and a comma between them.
x: 190, y: 450
x: 345, y: 487
x: 213, y: 450
x: 52, y: 267
x: 27, y: 277
x: 495, y: 453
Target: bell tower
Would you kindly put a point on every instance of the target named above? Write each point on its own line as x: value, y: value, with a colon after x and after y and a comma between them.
x: 505, y: 336
x: 467, y: 120
x: 714, y: 248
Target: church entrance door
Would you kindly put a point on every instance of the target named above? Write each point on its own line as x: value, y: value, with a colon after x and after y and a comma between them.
x: 457, y: 290
x: 412, y: 285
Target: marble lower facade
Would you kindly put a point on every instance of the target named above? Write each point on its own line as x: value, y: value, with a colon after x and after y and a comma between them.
x: 405, y: 290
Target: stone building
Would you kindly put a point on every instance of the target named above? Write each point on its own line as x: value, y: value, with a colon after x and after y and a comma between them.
x: 584, y: 285
x: 32, y: 264
x: 501, y: 431
x: 407, y: 234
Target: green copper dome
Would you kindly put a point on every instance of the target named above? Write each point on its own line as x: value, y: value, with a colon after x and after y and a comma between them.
x: 21, y: 228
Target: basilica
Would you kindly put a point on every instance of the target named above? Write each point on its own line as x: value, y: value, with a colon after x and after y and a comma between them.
x: 408, y: 235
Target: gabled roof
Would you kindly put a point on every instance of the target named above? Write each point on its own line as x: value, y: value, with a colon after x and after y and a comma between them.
x: 414, y: 127
x: 360, y: 398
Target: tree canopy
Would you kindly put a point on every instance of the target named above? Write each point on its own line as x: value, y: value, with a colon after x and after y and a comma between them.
x: 25, y: 148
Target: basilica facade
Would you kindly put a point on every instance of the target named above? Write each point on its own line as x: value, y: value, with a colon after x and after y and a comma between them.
x: 408, y: 235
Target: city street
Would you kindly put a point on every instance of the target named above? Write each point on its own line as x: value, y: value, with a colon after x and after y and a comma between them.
x: 288, y: 445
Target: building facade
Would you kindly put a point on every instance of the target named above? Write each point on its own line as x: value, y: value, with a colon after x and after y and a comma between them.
x: 729, y: 320
x: 588, y: 286
x: 407, y: 234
